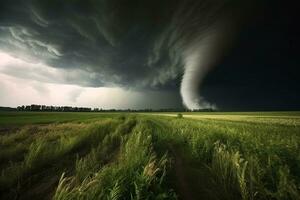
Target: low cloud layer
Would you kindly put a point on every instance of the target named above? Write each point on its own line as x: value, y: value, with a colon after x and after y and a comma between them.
x: 26, y: 83
x: 141, y: 45
x: 17, y: 91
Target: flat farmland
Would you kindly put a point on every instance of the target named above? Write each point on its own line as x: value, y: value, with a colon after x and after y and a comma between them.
x: 246, y: 155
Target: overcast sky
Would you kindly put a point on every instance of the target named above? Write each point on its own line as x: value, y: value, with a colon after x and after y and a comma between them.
x: 23, y: 82
x: 135, y: 54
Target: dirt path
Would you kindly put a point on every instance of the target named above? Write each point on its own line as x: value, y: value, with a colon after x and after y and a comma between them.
x: 193, y: 183
x: 182, y: 181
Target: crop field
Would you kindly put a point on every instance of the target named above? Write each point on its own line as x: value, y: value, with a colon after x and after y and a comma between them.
x: 116, y: 156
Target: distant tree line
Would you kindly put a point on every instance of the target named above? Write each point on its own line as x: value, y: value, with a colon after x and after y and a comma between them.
x: 45, y: 108
x: 35, y: 107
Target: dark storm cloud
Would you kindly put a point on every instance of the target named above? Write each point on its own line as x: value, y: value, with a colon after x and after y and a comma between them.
x: 262, y: 71
x: 110, y: 37
x: 129, y: 43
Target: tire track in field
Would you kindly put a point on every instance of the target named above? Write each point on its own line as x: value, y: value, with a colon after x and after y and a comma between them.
x: 193, y: 183
x: 182, y: 182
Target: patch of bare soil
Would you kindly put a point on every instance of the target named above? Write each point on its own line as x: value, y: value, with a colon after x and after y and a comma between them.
x: 193, y: 183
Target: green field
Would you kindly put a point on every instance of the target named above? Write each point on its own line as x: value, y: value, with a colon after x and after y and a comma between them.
x: 114, y: 156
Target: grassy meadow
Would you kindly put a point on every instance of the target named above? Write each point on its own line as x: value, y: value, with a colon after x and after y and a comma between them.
x: 116, y: 156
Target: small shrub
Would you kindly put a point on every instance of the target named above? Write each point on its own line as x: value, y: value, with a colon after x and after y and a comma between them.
x: 179, y: 115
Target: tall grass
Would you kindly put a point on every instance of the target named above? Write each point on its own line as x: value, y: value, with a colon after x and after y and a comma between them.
x: 50, y: 146
x: 248, y: 161
x: 136, y: 173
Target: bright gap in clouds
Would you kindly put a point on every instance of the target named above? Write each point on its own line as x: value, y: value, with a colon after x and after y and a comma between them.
x: 23, y: 83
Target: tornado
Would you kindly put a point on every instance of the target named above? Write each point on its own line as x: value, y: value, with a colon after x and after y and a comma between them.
x: 199, y: 57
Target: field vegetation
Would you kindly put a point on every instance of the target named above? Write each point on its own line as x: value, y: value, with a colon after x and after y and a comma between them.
x: 150, y: 156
